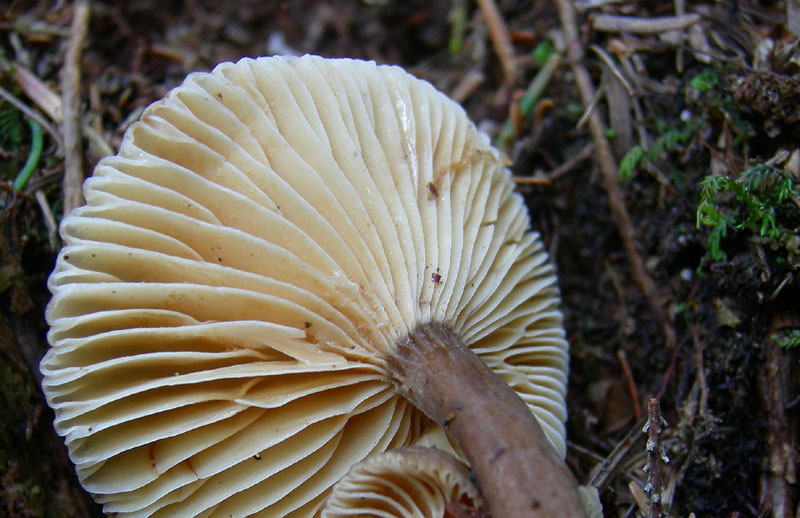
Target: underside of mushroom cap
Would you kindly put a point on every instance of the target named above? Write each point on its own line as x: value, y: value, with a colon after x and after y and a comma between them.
x: 411, y: 482
x: 225, y: 303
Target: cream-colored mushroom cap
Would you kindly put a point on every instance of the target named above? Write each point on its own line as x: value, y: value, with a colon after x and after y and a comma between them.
x: 226, y: 302
x: 411, y: 482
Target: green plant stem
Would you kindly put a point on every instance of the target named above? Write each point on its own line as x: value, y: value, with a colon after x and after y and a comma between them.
x: 35, y: 154
x: 532, y: 94
x: 457, y: 27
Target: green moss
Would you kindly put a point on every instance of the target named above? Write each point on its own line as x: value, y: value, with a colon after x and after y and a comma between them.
x: 750, y: 202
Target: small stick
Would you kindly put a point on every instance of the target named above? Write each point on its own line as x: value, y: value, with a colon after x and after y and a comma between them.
x: 656, y: 456
x: 51, y: 103
x: 530, y: 180
x: 71, y: 107
x: 700, y: 376
x: 46, y: 99
x: 567, y: 166
x: 515, y: 115
x: 591, y: 105
x: 636, y: 25
x: 49, y: 220
x: 467, y: 85
x: 601, y: 473
x: 680, y: 10
x: 634, y: 393
x: 670, y: 372
x: 608, y: 167
x: 586, y: 5
x: 33, y: 114
x: 612, y: 67
x: 500, y: 37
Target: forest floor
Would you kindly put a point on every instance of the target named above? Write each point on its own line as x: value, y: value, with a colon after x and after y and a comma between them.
x: 656, y: 144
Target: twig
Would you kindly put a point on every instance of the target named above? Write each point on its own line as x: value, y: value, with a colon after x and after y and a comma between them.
x: 642, y: 82
x: 631, y: 510
x: 680, y: 10
x: 70, y: 105
x: 33, y: 114
x: 49, y: 220
x: 633, y: 24
x: 96, y: 141
x: 639, y: 497
x: 585, y: 5
x: 500, y: 37
x: 585, y: 451
x: 601, y: 473
x: 530, y: 180
x: 567, y: 166
x: 49, y: 102
x: 619, y: 107
x: 608, y: 167
x: 612, y: 67
x: 655, y: 457
x: 670, y: 372
x: 592, y: 104
x: 515, y: 117
x: 700, y: 375
x: 467, y: 85
x: 45, y: 98
x: 632, y: 390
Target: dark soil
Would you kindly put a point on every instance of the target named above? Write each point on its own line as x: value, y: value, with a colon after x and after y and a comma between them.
x: 727, y: 389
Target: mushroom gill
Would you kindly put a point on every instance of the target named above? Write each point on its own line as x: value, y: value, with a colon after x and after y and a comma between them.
x: 410, y: 482
x: 228, y: 304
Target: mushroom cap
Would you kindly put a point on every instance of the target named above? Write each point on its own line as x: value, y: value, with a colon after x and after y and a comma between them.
x: 410, y: 482
x: 226, y: 300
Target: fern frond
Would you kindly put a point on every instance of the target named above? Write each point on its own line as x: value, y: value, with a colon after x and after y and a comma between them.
x: 11, y: 125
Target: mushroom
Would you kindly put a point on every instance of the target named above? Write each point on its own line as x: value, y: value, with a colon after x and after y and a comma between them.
x: 410, y: 482
x: 290, y: 265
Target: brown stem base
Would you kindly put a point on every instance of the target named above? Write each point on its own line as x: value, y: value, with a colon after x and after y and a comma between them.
x: 516, y: 468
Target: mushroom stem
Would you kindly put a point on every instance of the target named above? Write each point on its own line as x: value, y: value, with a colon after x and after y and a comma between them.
x: 517, y: 469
